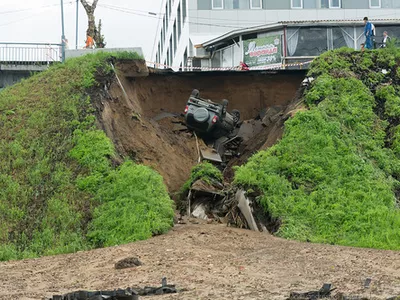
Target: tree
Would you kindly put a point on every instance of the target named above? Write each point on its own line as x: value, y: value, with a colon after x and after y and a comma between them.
x: 92, y: 28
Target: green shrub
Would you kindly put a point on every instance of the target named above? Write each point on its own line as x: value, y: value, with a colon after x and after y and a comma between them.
x: 55, y: 166
x: 331, y: 178
x: 135, y: 206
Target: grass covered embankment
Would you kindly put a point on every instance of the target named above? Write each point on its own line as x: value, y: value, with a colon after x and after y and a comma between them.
x: 59, y: 189
x: 334, y: 176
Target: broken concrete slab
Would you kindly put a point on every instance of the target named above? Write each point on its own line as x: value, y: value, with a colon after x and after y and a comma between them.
x: 199, y: 212
x: 214, y: 187
x: 210, y: 154
x: 244, y: 206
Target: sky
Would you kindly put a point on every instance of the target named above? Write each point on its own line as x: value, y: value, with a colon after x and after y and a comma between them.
x: 125, y: 23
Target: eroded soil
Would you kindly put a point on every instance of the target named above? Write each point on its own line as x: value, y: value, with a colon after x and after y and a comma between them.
x: 209, y: 262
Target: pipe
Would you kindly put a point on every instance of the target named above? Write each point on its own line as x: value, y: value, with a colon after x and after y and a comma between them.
x: 77, y: 23
x: 63, y: 34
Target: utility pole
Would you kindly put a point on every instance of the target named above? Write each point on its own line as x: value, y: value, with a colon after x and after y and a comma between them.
x: 63, y: 34
x: 77, y: 22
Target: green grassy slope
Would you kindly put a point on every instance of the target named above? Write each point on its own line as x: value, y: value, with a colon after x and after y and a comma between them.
x: 334, y: 176
x: 58, y: 189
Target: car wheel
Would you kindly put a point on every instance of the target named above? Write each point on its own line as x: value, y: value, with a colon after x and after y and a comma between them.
x: 195, y: 93
x: 236, y: 115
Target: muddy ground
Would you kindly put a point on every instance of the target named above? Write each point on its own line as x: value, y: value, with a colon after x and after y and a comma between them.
x: 209, y: 262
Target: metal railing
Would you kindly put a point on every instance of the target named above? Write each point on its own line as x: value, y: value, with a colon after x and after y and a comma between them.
x: 29, y: 53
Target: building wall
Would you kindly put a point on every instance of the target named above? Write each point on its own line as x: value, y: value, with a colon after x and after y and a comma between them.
x: 307, y: 4
x: 214, y: 22
x: 207, y: 23
x: 170, y: 46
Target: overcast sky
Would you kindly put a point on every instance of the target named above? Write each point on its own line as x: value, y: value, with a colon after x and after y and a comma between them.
x: 40, y: 21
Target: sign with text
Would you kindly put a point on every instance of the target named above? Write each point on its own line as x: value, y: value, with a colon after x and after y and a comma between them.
x: 263, y: 51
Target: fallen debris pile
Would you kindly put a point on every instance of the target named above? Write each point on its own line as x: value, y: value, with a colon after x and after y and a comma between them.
x: 119, y: 294
x: 214, y: 201
x: 326, y: 293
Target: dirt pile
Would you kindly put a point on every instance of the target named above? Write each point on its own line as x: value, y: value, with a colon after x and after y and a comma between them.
x: 210, y: 262
x: 141, y: 111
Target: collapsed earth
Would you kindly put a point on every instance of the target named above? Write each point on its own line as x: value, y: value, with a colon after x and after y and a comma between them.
x: 103, y: 151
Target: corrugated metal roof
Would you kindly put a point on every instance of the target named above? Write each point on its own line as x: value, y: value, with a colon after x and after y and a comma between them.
x: 281, y: 24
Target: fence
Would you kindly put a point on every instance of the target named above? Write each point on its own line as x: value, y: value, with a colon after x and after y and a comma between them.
x: 29, y: 53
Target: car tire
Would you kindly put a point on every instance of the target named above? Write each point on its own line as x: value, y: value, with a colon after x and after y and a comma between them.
x: 201, y: 115
x: 236, y: 115
x: 195, y: 93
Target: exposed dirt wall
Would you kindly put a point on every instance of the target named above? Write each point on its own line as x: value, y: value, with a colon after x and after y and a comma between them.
x: 246, y: 91
x: 128, y: 107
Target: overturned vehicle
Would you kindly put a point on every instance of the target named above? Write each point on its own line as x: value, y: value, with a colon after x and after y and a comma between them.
x: 215, y: 125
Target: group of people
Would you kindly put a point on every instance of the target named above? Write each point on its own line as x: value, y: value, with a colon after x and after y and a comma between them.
x: 369, y: 32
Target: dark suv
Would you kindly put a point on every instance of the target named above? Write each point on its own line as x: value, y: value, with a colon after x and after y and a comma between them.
x: 210, y: 119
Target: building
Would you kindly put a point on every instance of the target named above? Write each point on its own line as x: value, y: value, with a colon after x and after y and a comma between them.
x: 215, y: 33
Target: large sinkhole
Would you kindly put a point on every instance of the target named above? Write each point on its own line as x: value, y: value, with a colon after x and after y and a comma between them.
x: 141, y: 111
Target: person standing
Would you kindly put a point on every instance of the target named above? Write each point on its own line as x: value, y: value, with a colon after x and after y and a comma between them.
x: 89, y: 42
x: 369, y: 32
x: 385, y: 40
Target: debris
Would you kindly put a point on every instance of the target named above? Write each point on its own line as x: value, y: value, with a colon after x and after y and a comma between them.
x: 244, y: 206
x: 272, y: 115
x: 214, y: 187
x: 199, y: 212
x: 367, y: 282
x: 164, y: 289
x: 129, y: 262
x: 324, y: 292
x: 210, y: 155
x: 119, y: 294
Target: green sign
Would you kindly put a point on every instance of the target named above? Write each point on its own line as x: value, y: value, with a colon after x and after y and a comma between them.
x: 263, y: 51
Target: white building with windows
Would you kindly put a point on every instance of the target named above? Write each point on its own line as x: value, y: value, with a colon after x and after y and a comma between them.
x: 213, y: 33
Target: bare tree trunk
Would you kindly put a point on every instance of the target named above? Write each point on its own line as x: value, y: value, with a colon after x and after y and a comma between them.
x: 90, y: 14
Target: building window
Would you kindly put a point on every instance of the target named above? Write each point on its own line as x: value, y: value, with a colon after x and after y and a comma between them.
x: 255, y: 4
x: 175, y: 40
x: 242, y: 4
x: 375, y: 3
x: 335, y: 4
x: 166, y: 20
x: 179, y: 22
x: 185, y: 58
x: 168, y: 62
x: 171, y: 55
x: 297, y: 3
x: 217, y: 4
x: 184, y: 10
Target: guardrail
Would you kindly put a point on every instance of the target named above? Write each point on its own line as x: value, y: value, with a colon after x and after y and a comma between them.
x: 29, y: 53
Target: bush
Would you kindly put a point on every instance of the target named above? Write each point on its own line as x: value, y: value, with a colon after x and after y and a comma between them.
x: 331, y: 178
x: 55, y: 166
x: 135, y: 206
